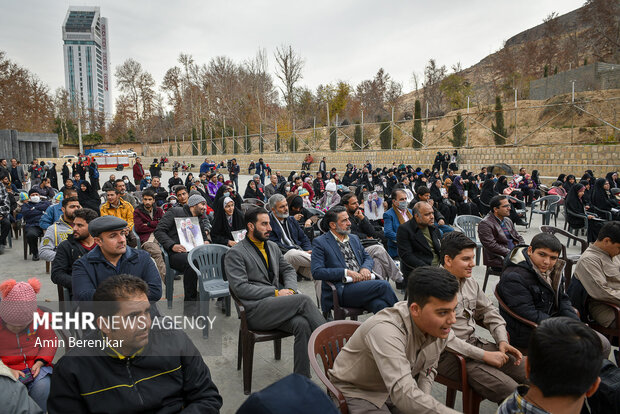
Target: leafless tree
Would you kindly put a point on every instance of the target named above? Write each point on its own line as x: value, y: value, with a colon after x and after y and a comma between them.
x: 290, y: 66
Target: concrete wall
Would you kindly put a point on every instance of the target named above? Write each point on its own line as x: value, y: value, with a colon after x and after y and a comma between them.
x: 596, y: 76
x: 26, y: 146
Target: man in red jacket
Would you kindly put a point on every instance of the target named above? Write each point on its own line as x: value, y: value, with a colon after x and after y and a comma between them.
x: 138, y: 171
x: 145, y: 218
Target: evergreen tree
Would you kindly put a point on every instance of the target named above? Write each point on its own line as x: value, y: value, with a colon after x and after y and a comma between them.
x: 248, y: 142
x: 213, y: 144
x: 333, y: 139
x: 417, y: 125
x: 203, y: 138
x: 293, y: 143
x: 384, y: 135
x: 499, y: 132
x: 194, y: 143
x: 178, y: 149
x: 170, y: 153
x: 458, y: 132
x: 235, y: 143
x: 358, y: 144
x: 261, y: 143
x: 278, y: 142
x: 546, y: 71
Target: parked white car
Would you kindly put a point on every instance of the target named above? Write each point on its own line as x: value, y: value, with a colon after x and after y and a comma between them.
x: 128, y: 153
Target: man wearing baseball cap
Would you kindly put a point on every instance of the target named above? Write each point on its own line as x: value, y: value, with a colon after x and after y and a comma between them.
x: 111, y: 257
x: 168, y: 237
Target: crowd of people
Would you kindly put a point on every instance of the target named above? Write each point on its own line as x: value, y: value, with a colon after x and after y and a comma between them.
x: 361, y: 237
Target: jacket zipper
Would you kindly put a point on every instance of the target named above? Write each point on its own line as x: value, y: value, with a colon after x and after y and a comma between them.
x: 127, y: 365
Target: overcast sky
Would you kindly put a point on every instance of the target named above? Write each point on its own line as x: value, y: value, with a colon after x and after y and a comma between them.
x: 339, y: 40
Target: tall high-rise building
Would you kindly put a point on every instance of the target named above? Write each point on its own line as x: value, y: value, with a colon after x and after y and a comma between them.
x: 87, y: 59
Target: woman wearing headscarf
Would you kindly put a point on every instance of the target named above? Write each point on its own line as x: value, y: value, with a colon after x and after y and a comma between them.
x: 576, y: 205
x: 501, y: 185
x: 88, y: 197
x: 441, y: 202
x: 602, y: 198
x: 330, y: 198
x: 487, y: 193
x: 569, y: 183
x: 536, y: 178
x: 189, y: 180
x: 562, y: 178
x: 456, y: 193
x: 128, y: 185
x: 252, y: 192
x: 587, y: 196
x: 612, y: 178
x: 298, y: 210
x: 226, y: 219
x: 228, y: 190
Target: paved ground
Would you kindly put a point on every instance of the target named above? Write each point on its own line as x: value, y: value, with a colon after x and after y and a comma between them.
x: 223, y: 364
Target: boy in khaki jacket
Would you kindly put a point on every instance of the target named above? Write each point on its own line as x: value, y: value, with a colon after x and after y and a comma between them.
x: 389, y: 364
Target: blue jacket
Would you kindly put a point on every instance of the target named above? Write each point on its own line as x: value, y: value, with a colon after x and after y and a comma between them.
x: 204, y: 168
x: 390, y: 227
x: 93, y: 268
x: 328, y: 264
x: 33, y: 212
x: 51, y: 216
x: 297, y: 234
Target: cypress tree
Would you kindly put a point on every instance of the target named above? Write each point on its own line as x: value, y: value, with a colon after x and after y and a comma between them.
x: 194, y: 143
x: 458, y: 132
x: 358, y: 145
x: 203, y: 138
x: 384, y: 135
x: 293, y: 143
x: 417, y: 125
x: 213, y: 144
x: 278, y: 142
x: 333, y: 139
x: 499, y: 132
x: 178, y: 149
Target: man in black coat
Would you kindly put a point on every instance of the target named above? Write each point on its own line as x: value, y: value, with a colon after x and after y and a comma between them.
x: 418, y: 240
x: 142, y: 368
x: 70, y: 250
x: 168, y: 237
x: 532, y: 286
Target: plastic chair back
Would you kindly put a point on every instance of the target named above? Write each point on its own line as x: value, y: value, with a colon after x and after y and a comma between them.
x: 468, y: 225
x: 208, y: 258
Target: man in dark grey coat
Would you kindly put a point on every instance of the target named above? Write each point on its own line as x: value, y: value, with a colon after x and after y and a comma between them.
x: 267, y: 286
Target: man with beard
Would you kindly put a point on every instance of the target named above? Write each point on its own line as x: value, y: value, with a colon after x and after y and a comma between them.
x: 111, y: 257
x: 141, y: 367
x: 266, y: 285
x: 59, y: 231
x: 76, y: 246
x: 168, y: 237
x: 338, y: 257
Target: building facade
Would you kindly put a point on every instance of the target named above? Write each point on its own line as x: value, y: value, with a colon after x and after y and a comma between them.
x: 87, y: 60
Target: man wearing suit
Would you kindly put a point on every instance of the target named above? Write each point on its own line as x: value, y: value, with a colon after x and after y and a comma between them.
x: 266, y: 285
x: 338, y: 256
x: 497, y: 233
x: 418, y: 239
x: 394, y: 217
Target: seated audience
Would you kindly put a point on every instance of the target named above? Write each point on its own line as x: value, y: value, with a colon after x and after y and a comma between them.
x: 532, y: 286
x: 226, y: 219
x: 110, y: 184
x: 603, y: 200
x: 424, y: 194
x: 271, y: 188
x: 266, y: 285
x: 330, y: 198
x: 160, y: 193
x: 563, y: 364
x: 32, y: 210
x: 14, y: 395
x: 418, y: 240
x: 69, y: 251
x: 59, y: 231
x: 393, y: 218
x: 53, y: 213
x: 168, y: 237
x: 389, y: 364
x: 339, y: 257
x: 598, y: 270
x: 146, y: 181
x: 89, y: 197
x: 122, y: 189
x: 117, y: 207
x: 26, y: 351
x: 44, y: 189
x: 497, y: 233
x: 251, y: 191
x: 495, y: 384
x: 112, y: 257
x: 163, y: 368
x: 174, y: 180
x: 146, y: 217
